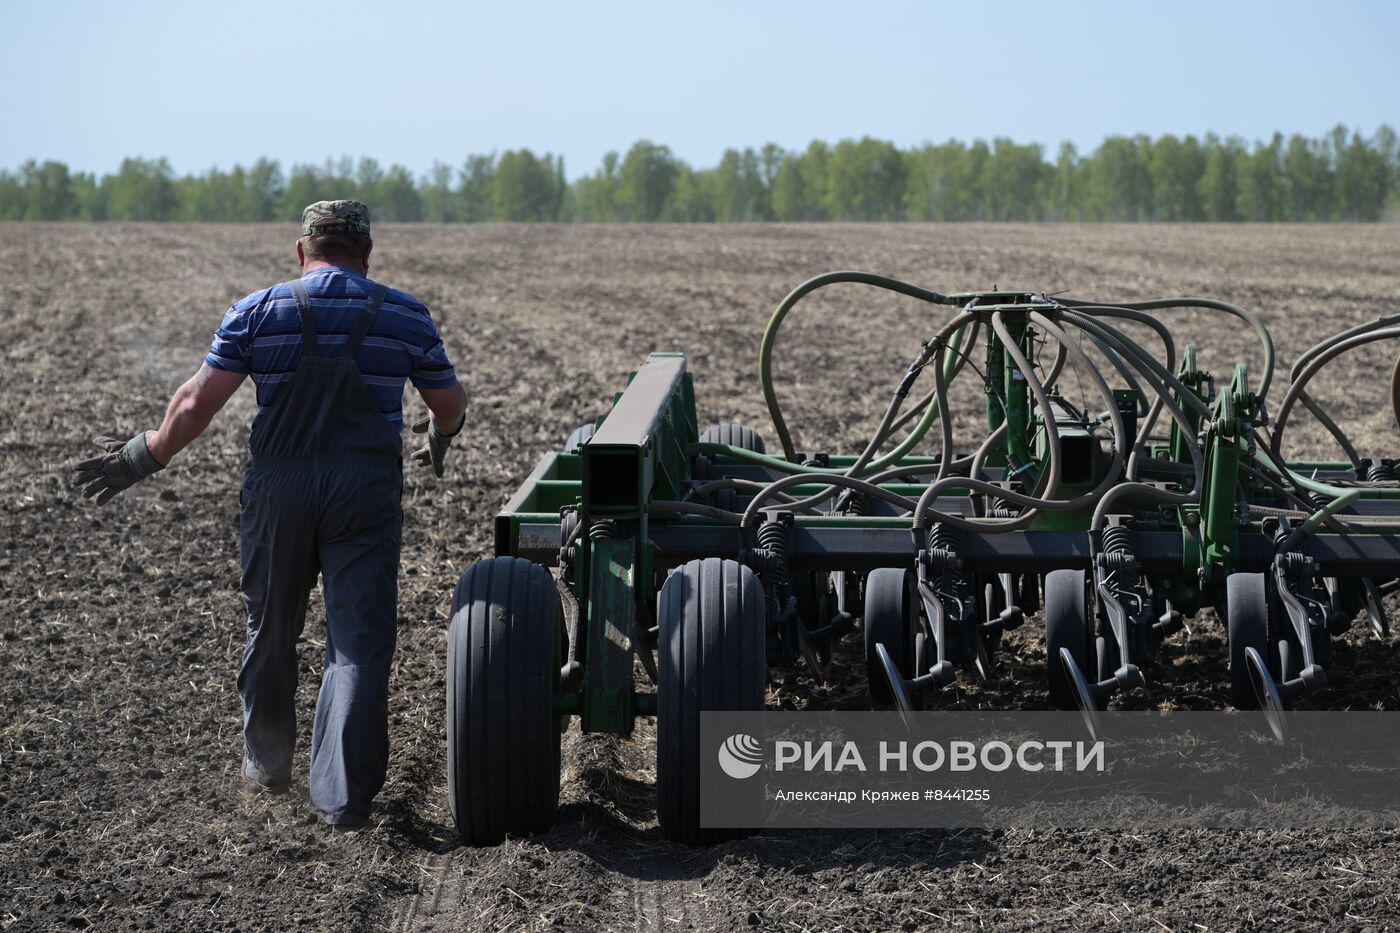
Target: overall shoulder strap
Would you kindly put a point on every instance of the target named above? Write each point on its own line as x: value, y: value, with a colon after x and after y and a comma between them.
x: 366, y: 318
x: 308, y: 317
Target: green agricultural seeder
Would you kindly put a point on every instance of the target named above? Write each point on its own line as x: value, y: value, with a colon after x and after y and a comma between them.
x: 713, y: 562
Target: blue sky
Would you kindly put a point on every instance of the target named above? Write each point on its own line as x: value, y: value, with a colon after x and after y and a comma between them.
x: 214, y: 83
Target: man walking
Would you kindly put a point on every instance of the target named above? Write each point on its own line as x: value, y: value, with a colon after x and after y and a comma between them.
x: 329, y: 354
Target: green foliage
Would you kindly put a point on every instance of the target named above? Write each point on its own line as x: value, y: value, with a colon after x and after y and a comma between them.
x: 1119, y: 181
x: 692, y: 198
x: 142, y: 189
x: 943, y: 183
x: 395, y: 197
x: 441, y: 204
x: 1066, y: 186
x: 1174, y: 169
x: 13, y: 198
x: 48, y: 191
x: 1260, y: 177
x: 1364, y: 178
x: 91, y: 196
x: 309, y: 183
x: 800, y: 184
x: 264, y: 187
x: 1343, y: 176
x: 477, y: 180
x: 1307, y: 180
x: 1014, y: 180
x: 214, y: 196
x: 865, y: 180
x: 646, y: 181
x: 743, y: 184
x: 1218, y: 186
x: 527, y: 188
x: 597, y: 193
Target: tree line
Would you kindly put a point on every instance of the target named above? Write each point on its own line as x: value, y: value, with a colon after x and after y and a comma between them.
x: 1340, y: 176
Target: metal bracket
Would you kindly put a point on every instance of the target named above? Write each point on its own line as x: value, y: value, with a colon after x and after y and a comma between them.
x: 1308, y: 608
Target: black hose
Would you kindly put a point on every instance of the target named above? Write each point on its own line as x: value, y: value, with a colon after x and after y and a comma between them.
x: 1395, y: 391
x: 932, y: 351
x: 770, y: 334
x: 1142, y: 490
x: 667, y: 507
x: 1266, y: 374
x: 1312, y: 405
x: 742, y: 485
x: 797, y: 479
x: 1317, y: 362
x: 1032, y: 504
x: 1154, y: 411
x: 918, y: 407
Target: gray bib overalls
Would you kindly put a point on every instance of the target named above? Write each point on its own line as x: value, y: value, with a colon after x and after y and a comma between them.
x: 321, y: 496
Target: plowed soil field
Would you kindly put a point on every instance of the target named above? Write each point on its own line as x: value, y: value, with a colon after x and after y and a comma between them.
x: 120, y: 804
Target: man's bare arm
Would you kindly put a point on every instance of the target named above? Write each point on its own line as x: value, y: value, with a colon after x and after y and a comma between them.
x: 191, y: 409
x: 447, y: 405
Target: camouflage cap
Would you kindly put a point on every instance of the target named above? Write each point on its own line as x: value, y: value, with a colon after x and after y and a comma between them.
x: 335, y: 218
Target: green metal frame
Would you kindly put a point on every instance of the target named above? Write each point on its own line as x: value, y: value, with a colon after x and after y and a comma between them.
x: 640, y: 452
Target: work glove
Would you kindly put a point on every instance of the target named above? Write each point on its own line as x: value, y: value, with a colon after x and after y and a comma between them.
x: 436, y: 448
x: 124, y: 464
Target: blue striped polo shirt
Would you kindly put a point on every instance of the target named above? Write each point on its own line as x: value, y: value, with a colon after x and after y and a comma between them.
x: 261, y: 335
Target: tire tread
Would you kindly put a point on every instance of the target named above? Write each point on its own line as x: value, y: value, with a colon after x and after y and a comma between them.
x: 712, y: 616
x: 503, y: 740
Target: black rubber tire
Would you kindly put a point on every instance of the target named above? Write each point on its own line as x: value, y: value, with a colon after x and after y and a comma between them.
x: 503, y: 737
x: 888, y: 597
x: 1066, y: 626
x: 711, y: 615
x: 580, y: 434
x: 735, y: 435
x: 1246, y: 626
